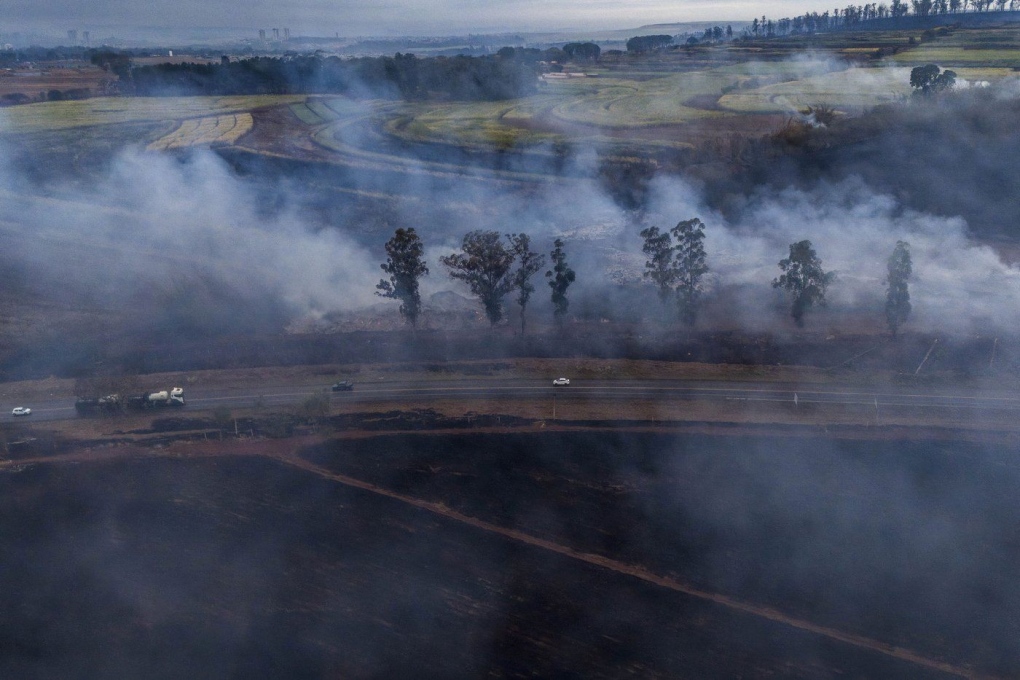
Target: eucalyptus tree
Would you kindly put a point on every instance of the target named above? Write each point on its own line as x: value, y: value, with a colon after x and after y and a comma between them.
x: 676, y: 265
x: 804, y: 278
x: 689, y: 262
x: 897, y: 300
x: 405, y: 264
x: 560, y: 277
x: 484, y: 264
x: 528, y: 264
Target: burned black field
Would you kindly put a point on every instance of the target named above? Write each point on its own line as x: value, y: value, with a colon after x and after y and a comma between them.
x: 217, y: 567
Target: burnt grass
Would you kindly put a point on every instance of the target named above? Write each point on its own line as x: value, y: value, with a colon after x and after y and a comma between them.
x: 70, y: 355
x: 910, y: 543
x: 246, y: 567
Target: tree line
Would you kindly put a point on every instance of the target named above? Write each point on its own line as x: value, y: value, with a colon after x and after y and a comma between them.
x: 677, y: 266
x: 494, y: 266
x: 496, y: 77
x: 853, y: 16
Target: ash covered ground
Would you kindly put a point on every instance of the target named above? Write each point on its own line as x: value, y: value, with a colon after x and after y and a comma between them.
x: 235, y: 567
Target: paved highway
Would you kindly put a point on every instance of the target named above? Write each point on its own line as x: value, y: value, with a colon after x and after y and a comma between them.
x: 424, y: 392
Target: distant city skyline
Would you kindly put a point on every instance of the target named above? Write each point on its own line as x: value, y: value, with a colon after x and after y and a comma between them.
x: 386, y: 17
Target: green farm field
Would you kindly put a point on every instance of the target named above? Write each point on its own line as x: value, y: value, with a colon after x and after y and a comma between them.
x: 624, y: 106
x: 117, y: 110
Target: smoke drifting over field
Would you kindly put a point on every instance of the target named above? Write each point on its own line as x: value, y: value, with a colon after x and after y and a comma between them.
x: 261, y: 565
x: 196, y: 244
x: 180, y: 235
x: 959, y: 285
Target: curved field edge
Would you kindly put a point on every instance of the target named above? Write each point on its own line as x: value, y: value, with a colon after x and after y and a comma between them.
x: 205, y: 132
x: 113, y: 110
x: 334, y: 137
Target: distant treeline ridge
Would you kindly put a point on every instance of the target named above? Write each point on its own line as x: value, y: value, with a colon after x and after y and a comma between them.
x: 402, y: 76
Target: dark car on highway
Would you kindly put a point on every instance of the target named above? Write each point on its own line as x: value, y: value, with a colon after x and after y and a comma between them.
x: 343, y: 386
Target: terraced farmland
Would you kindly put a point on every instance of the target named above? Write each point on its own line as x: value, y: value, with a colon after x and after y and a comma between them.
x: 117, y: 110
x: 991, y: 48
x: 205, y: 132
x: 317, y: 111
x: 852, y: 89
x: 477, y: 124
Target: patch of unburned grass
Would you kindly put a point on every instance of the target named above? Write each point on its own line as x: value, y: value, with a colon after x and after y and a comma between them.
x: 483, y: 124
x: 852, y: 89
x: 115, y: 110
x: 954, y: 56
x: 205, y: 132
x: 657, y: 101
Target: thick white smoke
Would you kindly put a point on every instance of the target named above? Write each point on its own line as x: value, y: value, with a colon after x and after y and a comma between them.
x: 155, y: 220
x: 959, y: 285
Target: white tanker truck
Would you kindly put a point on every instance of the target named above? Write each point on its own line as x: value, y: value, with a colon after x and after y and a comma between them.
x: 114, y: 403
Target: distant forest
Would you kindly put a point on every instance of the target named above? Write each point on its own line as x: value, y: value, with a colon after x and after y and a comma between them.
x: 503, y: 76
x: 879, y: 16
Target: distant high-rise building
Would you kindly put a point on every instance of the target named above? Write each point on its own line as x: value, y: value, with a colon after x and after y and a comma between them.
x: 276, y: 34
x: 286, y: 34
x: 88, y: 38
x: 262, y: 34
x: 72, y: 37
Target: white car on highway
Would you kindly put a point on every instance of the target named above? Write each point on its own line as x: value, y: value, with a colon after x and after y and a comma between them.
x: 21, y: 411
x: 561, y: 381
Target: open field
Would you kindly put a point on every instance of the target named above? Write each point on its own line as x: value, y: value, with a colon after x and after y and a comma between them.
x: 204, y: 132
x: 48, y: 116
x: 601, y: 553
x: 999, y: 48
x: 850, y: 90
x: 37, y: 81
x: 666, y: 102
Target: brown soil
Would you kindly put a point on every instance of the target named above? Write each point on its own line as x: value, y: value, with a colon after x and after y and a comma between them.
x: 278, y: 131
x: 36, y: 81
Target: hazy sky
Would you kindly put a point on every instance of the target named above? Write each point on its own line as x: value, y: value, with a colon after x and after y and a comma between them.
x: 362, y: 17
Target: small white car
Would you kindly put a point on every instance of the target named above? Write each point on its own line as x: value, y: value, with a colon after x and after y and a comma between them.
x: 561, y: 381
x: 21, y: 411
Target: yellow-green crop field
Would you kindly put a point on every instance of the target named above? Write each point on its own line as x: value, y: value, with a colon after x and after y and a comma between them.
x: 477, y: 124
x: 633, y: 104
x: 320, y: 110
x: 113, y: 110
x: 205, y: 131
x: 989, y: 47
x: 607, y: 100
x: 852, y: 89
x: 949, y: 55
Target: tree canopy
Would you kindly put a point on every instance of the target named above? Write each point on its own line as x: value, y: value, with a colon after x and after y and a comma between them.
x: 560, y: 277
x: 676, y: 265
x: 929, y: 79
x: 528, y: 264
x: 405, y: 264
x: 484, y: 264
x: 897, y: 301
x: 689, y: 259
x: 804, y: 279
x: 403, y: 75
x: 648, y: 43
x: 587, y: 51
